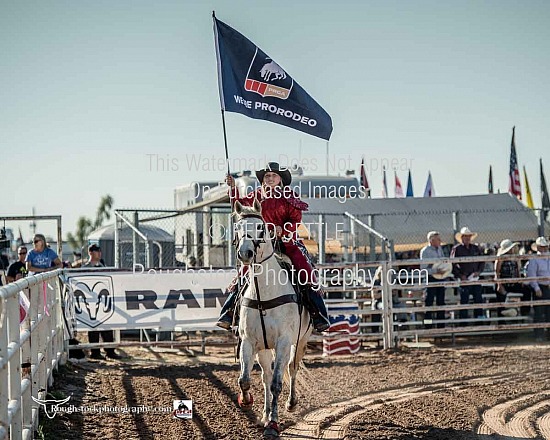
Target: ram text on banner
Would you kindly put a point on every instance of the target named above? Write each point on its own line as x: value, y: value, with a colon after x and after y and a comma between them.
x: 253, y: 84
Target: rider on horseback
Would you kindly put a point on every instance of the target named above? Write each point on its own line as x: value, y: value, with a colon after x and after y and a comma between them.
x: 281, y: 209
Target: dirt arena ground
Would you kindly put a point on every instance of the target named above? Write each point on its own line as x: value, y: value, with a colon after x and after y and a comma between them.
x: 473, y: 392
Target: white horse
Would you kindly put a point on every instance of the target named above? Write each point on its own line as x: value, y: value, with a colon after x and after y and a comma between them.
x: 272, y: 325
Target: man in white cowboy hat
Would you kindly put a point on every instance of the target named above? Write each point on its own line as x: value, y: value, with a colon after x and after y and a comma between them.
x: 436, y: 272
x: 468, y: 270
x: 540, y: 267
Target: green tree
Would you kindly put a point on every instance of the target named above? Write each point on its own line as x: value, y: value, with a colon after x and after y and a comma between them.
x: 103, y: 210
x: 85, y: 226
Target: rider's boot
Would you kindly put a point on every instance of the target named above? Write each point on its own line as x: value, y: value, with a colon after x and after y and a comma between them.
x: 227, y: 315
x: 317, y: 309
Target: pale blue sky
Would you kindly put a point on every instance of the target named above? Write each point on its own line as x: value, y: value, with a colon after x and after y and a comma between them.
x: 90, y: 89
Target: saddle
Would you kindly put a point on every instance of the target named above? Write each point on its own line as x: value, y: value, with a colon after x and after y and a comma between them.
x: 284, y: 263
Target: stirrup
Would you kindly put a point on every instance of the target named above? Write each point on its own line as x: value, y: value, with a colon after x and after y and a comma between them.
x: 320, y: 324
x: 224, y: 324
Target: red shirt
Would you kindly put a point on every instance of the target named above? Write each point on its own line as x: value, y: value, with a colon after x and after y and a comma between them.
x: 283, y: 209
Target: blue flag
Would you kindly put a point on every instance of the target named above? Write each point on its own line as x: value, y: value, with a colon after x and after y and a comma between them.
x: 410, y: 192
x: 253, y: 84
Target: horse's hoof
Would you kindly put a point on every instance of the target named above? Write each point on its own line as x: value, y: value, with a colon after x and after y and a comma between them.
x: 271, y: 431
x: 291, y: 407
x: 243, y: 404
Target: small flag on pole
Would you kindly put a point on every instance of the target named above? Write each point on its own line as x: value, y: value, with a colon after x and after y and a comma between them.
x: 429, y: 191
x: 514, y: 186
x: 253, y: 84
x: 545, y: 198
x: 410, y: 192
x: 491, y: 189
x: 364, y: 181
x: 398, y: 188
x: 528, y: 196
x: 384, y: 185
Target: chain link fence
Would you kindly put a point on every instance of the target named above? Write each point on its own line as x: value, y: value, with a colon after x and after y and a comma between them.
x: 202, y: 238
x: 157, y: 239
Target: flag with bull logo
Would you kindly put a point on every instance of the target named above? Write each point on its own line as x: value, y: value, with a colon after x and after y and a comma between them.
x: 253, y: 84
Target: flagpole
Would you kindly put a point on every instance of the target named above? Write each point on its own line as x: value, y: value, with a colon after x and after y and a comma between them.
x: 221, y: 94
x: 225, y: 142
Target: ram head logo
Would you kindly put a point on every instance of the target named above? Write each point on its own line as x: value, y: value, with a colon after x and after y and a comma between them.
x: 93, y: 300
x: 50, y: 406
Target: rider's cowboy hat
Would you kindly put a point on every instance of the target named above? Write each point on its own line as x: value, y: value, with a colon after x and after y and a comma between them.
x: 505, y: 247
x: 465, y: 231
x: 274, y: 167
x: 541, y: 241
x: 441, y: 270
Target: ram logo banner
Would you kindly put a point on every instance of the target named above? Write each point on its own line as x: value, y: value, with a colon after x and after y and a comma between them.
x: 254, y: 84
x: 94, y: 299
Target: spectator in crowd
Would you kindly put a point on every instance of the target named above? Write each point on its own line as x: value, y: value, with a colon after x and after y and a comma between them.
x: 508, y: 269
x: 540, y: 267
x: 468, y: 271
x: 94, y: 251
x: 41, y: 258
x: 18, y: 269
x: 436, y: 273
x: 4, y: 264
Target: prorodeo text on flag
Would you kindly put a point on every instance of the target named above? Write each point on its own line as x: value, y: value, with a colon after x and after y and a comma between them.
x: 258, y: 105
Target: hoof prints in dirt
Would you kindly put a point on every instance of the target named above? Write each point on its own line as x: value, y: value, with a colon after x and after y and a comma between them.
x: 479, y: 393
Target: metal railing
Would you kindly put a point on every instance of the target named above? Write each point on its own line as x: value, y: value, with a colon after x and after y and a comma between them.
x: 29, y: 351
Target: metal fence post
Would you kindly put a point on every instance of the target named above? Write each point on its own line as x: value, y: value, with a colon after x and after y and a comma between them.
x: 456, y: 224
x: 387, y: 306
x: 353, y: 242
x: 207, y: 235
x: 117, y: 238
x: 135, y: 244
x: 346, y: 237
x: 372, y: 238
x: 321, y: 239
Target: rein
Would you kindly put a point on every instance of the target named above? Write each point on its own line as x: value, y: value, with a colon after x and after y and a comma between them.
x: 262, y: 306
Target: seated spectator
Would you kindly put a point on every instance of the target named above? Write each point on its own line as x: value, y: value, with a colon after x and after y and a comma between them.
x: 540, y: 267
x: 508, y: 269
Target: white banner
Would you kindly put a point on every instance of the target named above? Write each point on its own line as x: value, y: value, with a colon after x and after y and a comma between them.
x: 127, y: 301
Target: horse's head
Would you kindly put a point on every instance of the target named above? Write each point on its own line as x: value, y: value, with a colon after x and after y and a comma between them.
x: 251, y: 237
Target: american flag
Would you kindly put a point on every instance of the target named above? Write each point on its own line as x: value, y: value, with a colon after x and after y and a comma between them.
x: 364, y: 181
x: 514, y: 186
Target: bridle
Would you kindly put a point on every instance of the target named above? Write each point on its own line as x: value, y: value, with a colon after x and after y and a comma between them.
x: 262, y: 306
x: 255, y: 241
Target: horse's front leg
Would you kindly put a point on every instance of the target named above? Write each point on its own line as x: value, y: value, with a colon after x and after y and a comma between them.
x: 282, y: 358
x: 265, y: 359
x: 297, y: 355
x: 245, y: 398
x: 293, y: 367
